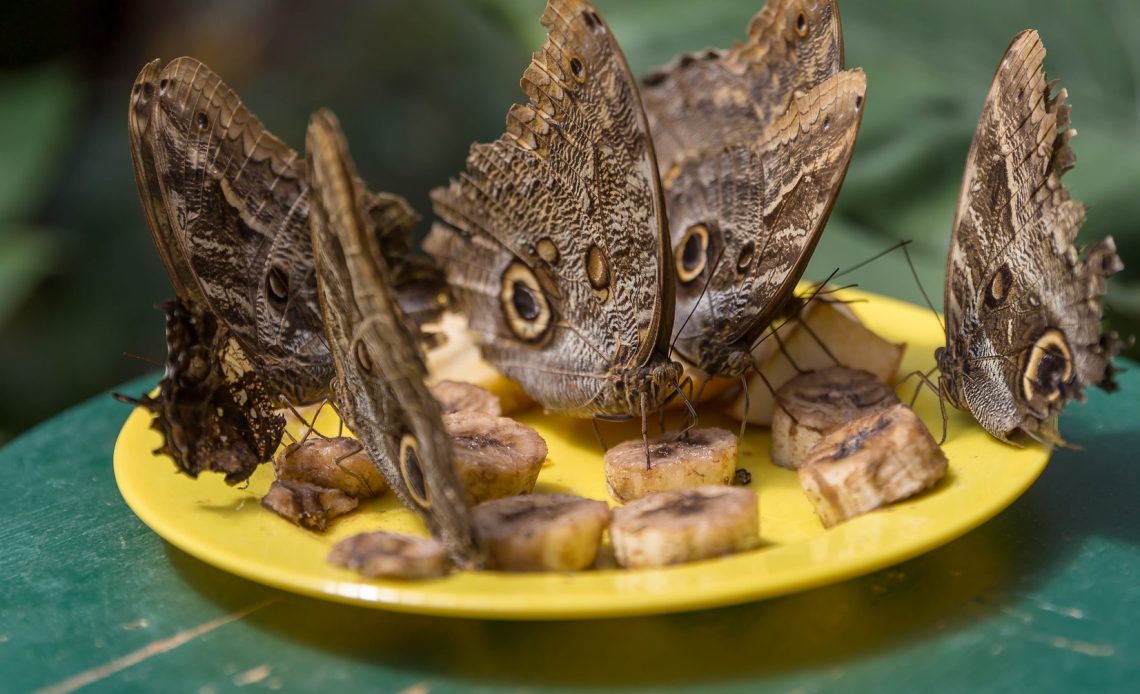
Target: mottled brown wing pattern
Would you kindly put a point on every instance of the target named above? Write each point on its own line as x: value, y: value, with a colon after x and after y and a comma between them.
x: 1023, y: 304
x: 705, y: 100
x: 214, y: 413
x: 745, y: 220
x: 232, y: 207
x: 554, y: 238
x: 380, y: 388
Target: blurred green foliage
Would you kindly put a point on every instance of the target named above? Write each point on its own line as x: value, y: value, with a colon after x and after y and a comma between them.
x: 415, y: 82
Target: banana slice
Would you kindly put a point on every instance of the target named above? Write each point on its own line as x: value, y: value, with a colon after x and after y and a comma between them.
x: 306, y: 504
x: 877, y: 460
x: 541, y: 532
x: 810, y: 405
x: 392, y: 555
x: 494, y: 456
x: 829, y: 323
x: 699, y: 457
x: 458, y: 358
x: 685, y: 525
x: 459, y: 396
x: 334, y: 463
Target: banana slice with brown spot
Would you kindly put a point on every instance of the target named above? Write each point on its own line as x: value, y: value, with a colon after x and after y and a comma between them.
x: 333, y: 463
x: 685, y: 525
x: 876, y: 460
x: 495, y: 457
x: 306, y: 504
x: 694, y: 459
x: 825, y: 330
x: 541, y: 532
x: 459, y: 396
x: 814, y: 403
x: 392, y: 555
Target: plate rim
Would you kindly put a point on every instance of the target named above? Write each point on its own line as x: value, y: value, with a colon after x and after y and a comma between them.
x: 432, y: 597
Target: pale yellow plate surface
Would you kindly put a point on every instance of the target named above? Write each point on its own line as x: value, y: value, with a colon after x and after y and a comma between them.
x: 226, y: 526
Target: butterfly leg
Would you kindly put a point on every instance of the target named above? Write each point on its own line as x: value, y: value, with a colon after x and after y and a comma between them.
x: 924, y: 379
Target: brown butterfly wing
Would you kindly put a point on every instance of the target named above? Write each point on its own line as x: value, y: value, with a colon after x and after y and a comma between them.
x: 1023, y: 305
x: 745, y: 221
x: 704, y: 101
x: 554, y: 238
x: 213, y: 411
x: 231, y: 200
x: 380, y: 386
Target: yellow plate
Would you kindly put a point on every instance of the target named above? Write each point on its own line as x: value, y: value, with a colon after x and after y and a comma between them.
x: 226, y: 526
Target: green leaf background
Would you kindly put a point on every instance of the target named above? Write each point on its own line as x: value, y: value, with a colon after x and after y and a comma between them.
x: 416, y: 82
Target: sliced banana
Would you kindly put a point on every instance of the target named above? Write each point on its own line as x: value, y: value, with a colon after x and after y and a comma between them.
x: 392, y: 555
x: 829, y: 323
x: 810, y: 405
x: 699, y: 457
x: 494, y: 456
x: 459, y: 396
x: 541, y: 532
x: 685, y: 525
x: 305, y: 504
x: 884, y: 457
x: 333, y: 463
x: 458, y: 358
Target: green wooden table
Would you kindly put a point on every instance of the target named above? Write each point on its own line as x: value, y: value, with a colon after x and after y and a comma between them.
x: 1046, y: 597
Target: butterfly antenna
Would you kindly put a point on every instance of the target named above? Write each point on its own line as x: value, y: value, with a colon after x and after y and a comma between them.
x: 145, y: 360
x: 922, y: 289
x: 700, y: 297
x: 880, y: 254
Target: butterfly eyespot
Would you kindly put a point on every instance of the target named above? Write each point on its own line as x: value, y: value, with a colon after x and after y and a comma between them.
x: 412, y: 471
x: 597, y: 268
x: 801, y: 24
x: 1048, y: 366
x: 827, y: 121
x: 524, y: 303
x: 691, y: 253
x: 1034, y: 301
x: 277, y: 284
x: 548, y: 251
x: 1019, y: 96
x: 202, y: 120
x: 858, y: 102
x: 999, y: 287
x: 363, y: 359
x: 162, y: 85
x: 744, y: 258
x: 578, y: 69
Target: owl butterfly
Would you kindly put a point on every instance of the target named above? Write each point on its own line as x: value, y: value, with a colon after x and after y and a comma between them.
x: 212, y: 409
x: 227, y: 206
x: 380, y: 371
x: 554, y: 238
x: 753, y: 144
x: 1023, y: 304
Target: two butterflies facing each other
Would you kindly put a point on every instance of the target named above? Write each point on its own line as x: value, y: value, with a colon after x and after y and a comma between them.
x: 609, y: 229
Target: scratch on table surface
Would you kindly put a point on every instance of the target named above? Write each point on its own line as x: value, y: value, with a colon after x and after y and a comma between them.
x: 1047, y: 606
x: 1096, y: 650
x: 149, y: 651
x: 418, y: 688
x: 253, y: 675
